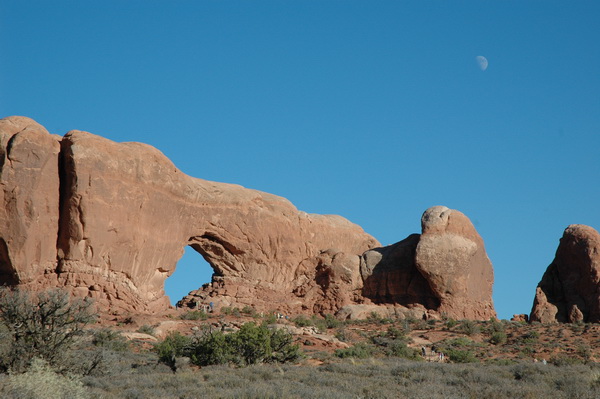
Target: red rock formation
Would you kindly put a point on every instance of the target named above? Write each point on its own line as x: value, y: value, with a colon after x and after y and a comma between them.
x: 445, y: 270
x: 110, y: 221
x: 29, y: 194
x: 452, y: 258
x: 570, y: 288
x: 126, y: 214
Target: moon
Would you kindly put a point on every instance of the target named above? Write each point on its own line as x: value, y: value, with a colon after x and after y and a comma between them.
x: 482, y: 62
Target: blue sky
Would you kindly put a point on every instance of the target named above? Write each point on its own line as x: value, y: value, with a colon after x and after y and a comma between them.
x: 373, y: 110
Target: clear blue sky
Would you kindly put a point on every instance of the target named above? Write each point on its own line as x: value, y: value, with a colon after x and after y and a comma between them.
x: 374, y: 110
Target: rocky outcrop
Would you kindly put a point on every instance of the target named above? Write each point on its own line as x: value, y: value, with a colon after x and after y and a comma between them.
x: 569, y: 291
x: 445, y: 270
x: 452, y: 258
x: 110, y: 221
x: 29, y: 198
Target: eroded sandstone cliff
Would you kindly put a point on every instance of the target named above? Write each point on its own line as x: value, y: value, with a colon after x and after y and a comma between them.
x: 569, y: 291
x: 110, y: 221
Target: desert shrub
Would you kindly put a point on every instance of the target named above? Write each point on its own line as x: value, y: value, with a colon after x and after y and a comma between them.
x: 319, y: 323
x: 450, y: 323
x: 561, y: 360
x: 40, y: 381
x: 399, y: 348
x: 332, y: 322
x: 251, y: 344
x: 173, y: 346
x: 44, y: 325
x: 530, y: 337
x: 394, y: 344
x: 470, y: 327
x: 109, y: 339
x: 359, y: 351
x: 584, y: 350
x: 248, y: 310
x: 342, y: 334
x: 394, y: 333
x: 194, y: 315
x: 498, y: 338
x: 226, y: 310
x: 302, y: 321
x: 459, y: 342
x: 270, y: 318
x: 461, y: 356
x: 146, y: 329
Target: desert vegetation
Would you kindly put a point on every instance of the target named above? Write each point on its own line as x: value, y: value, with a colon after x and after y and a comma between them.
x: 55, y: 347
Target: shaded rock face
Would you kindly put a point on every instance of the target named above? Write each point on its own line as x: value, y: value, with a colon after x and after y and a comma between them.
x: 570, y: 288
x: 391, y: 276
x: 445, y: 269
x: 110, y: 221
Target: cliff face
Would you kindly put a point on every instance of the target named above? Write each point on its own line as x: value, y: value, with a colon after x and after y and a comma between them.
x: 444, y: 270
x: 110, y: 221
x: 569, y: 291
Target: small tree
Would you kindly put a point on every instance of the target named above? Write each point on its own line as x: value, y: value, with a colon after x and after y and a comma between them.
x: 251, y: 344
x: 42, y: 325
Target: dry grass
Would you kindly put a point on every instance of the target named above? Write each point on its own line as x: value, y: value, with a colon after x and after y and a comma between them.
x: 370, y: 378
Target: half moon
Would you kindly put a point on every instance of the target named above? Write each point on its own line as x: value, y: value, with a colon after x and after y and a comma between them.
x: 482, y: 62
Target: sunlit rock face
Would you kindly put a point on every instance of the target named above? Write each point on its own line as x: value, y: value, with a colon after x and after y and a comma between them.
x: 110, y: 221
x: 569, y: 291
x: 29, y: 190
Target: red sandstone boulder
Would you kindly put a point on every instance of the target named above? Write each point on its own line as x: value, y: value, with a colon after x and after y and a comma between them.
x: 452, y: 258
x: 445, y: 270
x: 570, y: 288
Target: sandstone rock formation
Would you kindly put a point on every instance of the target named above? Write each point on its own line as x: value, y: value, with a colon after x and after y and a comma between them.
x: 452, y: 257
x: 110, y: 221
x: 29, y: 194
x: 445, y: 270
x: 570, y: 288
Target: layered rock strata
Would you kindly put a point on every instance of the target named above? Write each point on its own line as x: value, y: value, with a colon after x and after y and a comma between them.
x: 569, y: 291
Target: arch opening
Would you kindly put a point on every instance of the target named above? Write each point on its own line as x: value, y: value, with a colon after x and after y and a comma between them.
x: 191, y: 273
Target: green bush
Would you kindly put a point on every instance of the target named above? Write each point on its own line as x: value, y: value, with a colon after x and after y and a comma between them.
x: 248, y: 310
x: 44, y: 325
x: 109, y: 339
x: 399, y: 348
x: 146, y: 329
x: 470, y: 327
x: 498, y: 338
x: 342, y: 334
x: 173, y: 346
x: 359, y: 351
x: 332, y: 322
x: 252, y: 344
x: 460, y: 356
x: 302, y: 321
x: 450, y: 323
